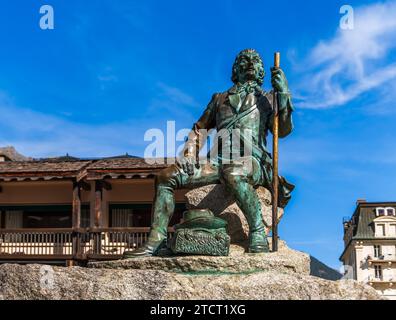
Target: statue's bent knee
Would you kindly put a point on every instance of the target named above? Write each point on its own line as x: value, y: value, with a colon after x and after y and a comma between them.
x: 232, y: 178
x: 168, y: 177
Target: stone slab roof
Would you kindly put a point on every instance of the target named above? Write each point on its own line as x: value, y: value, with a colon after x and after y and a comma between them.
x: 122, y: 163
x: 115, y: 168
x: 40, y: 170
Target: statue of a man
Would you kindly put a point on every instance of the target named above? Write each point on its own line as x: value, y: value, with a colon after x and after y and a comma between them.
x: 244, y: 106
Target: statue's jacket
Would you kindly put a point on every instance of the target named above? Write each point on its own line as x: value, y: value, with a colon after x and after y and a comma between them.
x: 250, y: 112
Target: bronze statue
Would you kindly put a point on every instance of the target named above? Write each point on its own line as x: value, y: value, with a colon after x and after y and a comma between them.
x: 244, y: 106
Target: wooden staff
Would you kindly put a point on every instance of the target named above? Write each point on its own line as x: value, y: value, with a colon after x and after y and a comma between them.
x: 275, y: 154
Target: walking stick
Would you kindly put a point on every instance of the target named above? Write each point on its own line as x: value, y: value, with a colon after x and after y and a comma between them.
x: 275, y: 179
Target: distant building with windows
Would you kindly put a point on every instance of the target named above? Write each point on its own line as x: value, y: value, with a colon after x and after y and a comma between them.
x: 370, y: 246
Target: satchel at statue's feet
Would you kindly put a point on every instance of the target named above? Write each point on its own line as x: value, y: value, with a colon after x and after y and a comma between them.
x: 258, y: 242
x: 149, y: 249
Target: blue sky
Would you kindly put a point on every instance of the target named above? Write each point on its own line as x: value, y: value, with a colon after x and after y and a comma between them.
x: 110, y: 70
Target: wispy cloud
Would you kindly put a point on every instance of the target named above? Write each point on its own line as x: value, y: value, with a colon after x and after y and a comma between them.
x: 177, y: 96
x: 176, y: 104
x: 353, y: 62
x: 106, y: 77
x: 41, y: 135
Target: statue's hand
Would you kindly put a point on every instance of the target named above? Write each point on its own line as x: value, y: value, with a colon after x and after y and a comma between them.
x: 187, y: 163
x: 279, y: 81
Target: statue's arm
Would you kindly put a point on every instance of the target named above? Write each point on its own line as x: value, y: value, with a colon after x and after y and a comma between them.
x: 285, y: 114
x: 285, y: 105
x: 197, y: 136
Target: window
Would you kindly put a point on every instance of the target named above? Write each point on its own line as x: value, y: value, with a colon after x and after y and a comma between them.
x: 380, y: 230
x: 390, y: 211
x: 380, y: 212
x: 53, y: 219
x: 392, y: 229
x: 37, y: 216
x: 138, y: 215
x: 14, y: 219
x: 85, y: 217
x: 378, y: 272
x: 122, y: 218
x: 377, y: 251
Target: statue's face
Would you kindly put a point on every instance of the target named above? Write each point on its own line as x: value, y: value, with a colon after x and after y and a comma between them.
x: 249, y: 66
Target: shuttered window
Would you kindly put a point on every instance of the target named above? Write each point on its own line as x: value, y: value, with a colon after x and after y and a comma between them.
x: 14, y: 219
x: 122, y: 218
x: 138, y: 215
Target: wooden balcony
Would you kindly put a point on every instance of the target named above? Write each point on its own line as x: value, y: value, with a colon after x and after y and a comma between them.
x: 69, y: 244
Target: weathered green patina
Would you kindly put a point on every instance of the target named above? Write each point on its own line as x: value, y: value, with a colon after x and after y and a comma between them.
x: 245, y: 107
x: 210, y: 242
x: 201, y: 233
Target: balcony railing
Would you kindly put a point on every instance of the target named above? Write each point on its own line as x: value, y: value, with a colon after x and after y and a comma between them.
x: 372, y: 280
x: 388, y: 259
x: 69, y: 244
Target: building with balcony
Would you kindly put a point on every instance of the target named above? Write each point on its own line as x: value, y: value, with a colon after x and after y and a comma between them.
x: 370, y: 246
x: 68, y: 211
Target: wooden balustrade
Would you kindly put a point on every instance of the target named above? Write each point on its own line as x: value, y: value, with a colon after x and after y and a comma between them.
x: 70, y: 244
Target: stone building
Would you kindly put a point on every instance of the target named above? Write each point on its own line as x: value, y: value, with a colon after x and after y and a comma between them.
x: 370, y: 246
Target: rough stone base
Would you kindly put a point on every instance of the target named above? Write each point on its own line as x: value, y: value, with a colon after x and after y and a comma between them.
x: 285, y: 261
x: 222, y: 204
x: 282, y: 275
x: 23, y: 282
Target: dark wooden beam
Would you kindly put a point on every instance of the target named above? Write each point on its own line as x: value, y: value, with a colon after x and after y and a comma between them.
x: 76, y: 214
x: 84, y: 185
x: 99, y: 186
x: 98, y: 203
x: 104, y: 184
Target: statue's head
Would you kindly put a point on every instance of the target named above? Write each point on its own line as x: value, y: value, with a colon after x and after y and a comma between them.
x: 248, y: 66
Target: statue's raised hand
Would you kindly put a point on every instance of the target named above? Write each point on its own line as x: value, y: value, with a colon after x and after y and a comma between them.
x: 279, y: 81
x: 187, y: 163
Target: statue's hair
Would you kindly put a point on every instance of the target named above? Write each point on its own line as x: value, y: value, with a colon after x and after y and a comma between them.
x: 234, y: 77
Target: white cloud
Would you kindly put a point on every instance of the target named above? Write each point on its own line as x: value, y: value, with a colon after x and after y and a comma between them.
x: 172, y: 103
x: 176, y: 95
x: 353, y: 61
x: 41, y: 135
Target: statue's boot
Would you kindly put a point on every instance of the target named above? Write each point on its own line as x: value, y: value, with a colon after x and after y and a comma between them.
x: 164, y: 205
x: 248, y: 201
x: 155, y: 242
x: 258, y: 241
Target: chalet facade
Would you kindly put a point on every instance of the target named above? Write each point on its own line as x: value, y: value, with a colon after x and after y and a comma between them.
x: 370, y: 246
x: 68, y: 210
